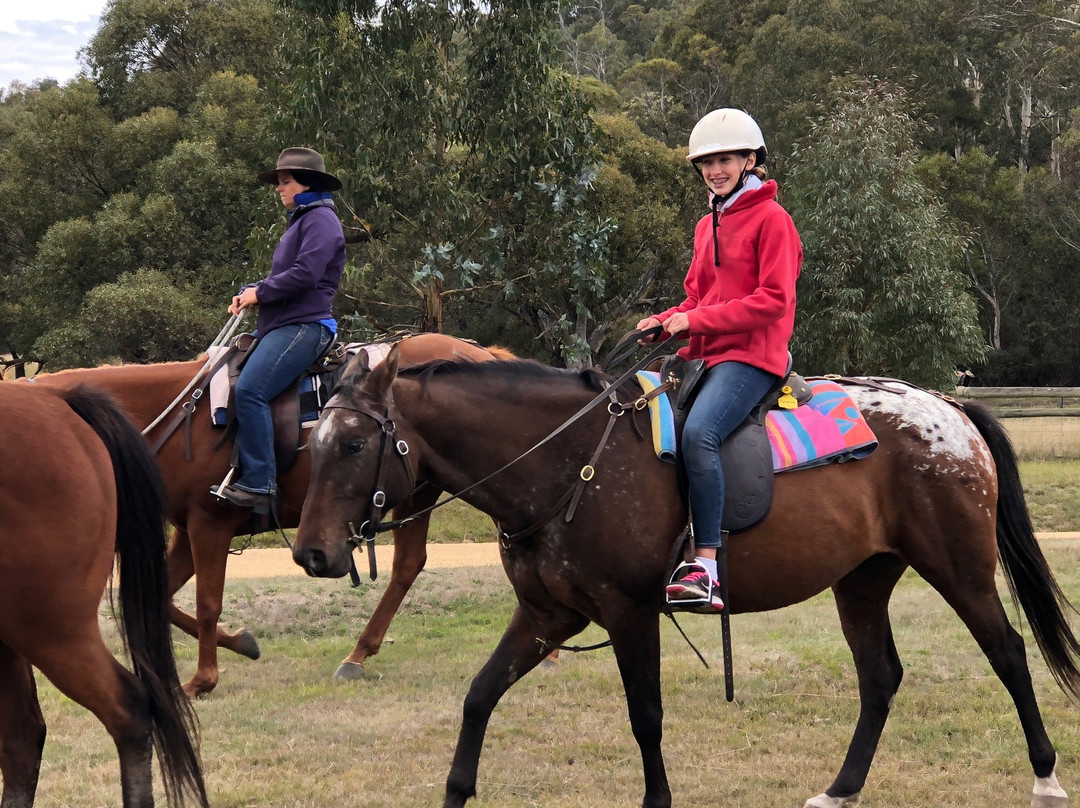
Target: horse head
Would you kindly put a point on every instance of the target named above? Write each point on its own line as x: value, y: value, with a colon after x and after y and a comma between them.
x: 360, y: 468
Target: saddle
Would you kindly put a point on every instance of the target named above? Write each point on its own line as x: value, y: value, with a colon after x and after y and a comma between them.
x: 745, y: 456
x: 297, y: 406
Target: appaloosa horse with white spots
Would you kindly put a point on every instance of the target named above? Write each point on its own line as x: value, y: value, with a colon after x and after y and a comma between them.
x: 941, y: 495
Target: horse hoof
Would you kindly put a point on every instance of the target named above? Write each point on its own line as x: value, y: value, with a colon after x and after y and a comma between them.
x: 194, y: 691
x: 249, y: 646
x: 351, y: 671
x: 825, y: 801
x: 1048, y: 793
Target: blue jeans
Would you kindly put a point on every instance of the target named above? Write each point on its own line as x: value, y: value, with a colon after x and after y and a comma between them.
x: 725, y: 397
x: 277, y: 360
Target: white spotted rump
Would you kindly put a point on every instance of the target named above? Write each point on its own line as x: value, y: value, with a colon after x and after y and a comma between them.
x: 950, y: 437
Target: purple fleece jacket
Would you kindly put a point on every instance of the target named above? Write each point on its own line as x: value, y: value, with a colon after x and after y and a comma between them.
x: 305, y: 272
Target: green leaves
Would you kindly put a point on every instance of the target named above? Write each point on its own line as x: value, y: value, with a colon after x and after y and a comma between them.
x: 142, y: 317
x: 882, y: 291
x: 470, y: 157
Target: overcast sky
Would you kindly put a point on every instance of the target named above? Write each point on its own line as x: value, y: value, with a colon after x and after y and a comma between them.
x: 40, y: 38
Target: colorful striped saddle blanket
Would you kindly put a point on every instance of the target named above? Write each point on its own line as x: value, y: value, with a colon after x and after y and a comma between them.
x: 828, y: 428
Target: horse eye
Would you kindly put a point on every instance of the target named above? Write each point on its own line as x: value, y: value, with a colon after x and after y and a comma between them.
x: 355, y: 447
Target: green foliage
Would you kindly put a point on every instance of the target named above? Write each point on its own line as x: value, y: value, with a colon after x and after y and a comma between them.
x: 164, y: 189
x: 483, y: 200
x: 881, y: 292
x: 142, y: 317
x: 989, y: 200
x: 158, y: 53
x: 468, y: 156
x: 56, y: 162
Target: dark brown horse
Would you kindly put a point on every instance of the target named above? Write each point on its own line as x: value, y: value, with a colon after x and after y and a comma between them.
x: 78, y: 487
x: 205, y: 527
x: 941, y: 494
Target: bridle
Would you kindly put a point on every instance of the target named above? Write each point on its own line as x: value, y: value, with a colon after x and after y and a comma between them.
x: 372, y: 525
x: 389, y: 443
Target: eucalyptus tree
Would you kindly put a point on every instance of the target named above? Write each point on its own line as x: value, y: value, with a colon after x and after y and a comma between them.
x: 141, y: 170
x: 988, y: 202
x: 882, y: 291
x: 157, y: 53
x: 161, y: 191
x: 1024, y: 58
x: 467, y: 158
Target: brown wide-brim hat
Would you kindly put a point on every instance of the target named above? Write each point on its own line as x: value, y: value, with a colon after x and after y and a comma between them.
x: 297, y: 158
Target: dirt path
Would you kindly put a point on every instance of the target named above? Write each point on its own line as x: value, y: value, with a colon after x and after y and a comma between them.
x: 277, y: 563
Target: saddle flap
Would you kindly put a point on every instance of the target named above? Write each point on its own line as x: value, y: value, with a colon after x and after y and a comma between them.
x: 684, y: 376
x: 746, y: 458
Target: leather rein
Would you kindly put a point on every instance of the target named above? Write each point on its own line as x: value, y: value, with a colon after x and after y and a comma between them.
x: 389, y: 441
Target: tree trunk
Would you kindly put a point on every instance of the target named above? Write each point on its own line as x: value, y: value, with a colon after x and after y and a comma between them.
x: 432, y: 317
x: 1025, y: 129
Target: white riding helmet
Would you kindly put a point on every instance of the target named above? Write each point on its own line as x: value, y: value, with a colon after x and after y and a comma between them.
x: 726, y: 130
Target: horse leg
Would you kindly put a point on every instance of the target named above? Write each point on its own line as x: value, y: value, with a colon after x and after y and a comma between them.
x: 862, y: 600
x: 634, y: 629
x: 22, y: 731
x: 981, y: 610
x: 410, y: 556
x: 517, y: 653
x: 210, y: 553
x: 181, y: 567
x: 89, y: 675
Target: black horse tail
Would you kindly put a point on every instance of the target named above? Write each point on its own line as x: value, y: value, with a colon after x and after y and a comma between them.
x: 1031, y: 582
x: 144, y: 592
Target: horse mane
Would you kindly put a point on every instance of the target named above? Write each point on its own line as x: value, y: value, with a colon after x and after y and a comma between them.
x: 500, y: 352
x: 525, y: 369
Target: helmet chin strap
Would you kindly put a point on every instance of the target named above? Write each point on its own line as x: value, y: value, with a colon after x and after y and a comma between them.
x: 718, y: 202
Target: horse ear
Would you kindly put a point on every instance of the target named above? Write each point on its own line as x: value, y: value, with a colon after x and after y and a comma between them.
x: 358, y: 365
x: 377, y: 383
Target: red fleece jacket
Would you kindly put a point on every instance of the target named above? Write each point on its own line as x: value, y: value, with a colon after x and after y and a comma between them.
x: 744, y: 309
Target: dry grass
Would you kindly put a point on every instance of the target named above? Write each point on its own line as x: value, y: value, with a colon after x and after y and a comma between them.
x: 1052, y: 489
x: 279, y: 732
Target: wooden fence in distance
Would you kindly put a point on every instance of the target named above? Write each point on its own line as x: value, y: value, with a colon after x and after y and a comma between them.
x: 1041, y: 421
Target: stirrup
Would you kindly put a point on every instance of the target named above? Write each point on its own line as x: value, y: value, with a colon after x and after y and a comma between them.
x: 214, y: 489
x: 710, y: 603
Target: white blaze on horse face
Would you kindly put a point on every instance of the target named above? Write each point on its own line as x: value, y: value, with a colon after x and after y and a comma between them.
x: 947, y: 433
x: 332, y: 422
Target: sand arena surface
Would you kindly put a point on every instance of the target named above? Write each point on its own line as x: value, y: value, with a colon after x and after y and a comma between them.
x: 274, y: 563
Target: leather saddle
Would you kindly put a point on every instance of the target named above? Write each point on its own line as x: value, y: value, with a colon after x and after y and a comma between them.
x: 745, y: 456
x: 306, y: 394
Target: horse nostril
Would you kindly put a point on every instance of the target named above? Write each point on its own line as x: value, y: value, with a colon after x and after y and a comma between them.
x: 312, y: 560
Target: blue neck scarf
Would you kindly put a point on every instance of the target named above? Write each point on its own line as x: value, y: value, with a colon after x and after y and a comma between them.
x: 306, y: 199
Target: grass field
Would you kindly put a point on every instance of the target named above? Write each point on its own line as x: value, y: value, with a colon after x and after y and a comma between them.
x: 1052, y: 488
x: 279, y: 732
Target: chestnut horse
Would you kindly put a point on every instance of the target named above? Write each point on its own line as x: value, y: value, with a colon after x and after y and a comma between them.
x: 205, y: 526
x: 941, y: 494
x: 78, y: 488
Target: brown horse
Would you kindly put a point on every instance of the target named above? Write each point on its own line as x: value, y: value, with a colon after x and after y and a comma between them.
x: 941, y: 494
x: 78, y: 487
x: 205, y: 527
